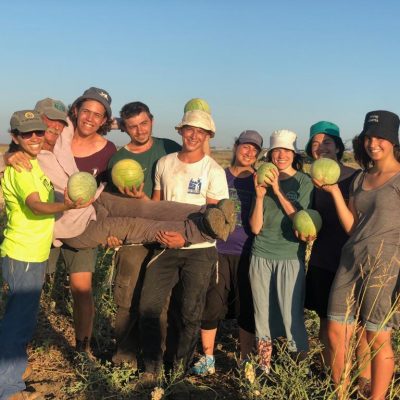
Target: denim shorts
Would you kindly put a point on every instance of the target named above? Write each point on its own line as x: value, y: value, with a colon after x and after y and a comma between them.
x: 350, y: 319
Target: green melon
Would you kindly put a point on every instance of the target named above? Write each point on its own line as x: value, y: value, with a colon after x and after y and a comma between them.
x: 307, y: 222
x: 264, y: 172
x: 325, y: 171
x: 197, y: 104
x: 81, y: 185
x: 127, y: 173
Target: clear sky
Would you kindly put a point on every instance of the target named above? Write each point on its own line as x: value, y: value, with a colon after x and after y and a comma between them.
x: 261, y: 65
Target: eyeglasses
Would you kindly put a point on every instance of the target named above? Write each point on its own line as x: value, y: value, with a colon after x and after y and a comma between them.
x: 28, y: 135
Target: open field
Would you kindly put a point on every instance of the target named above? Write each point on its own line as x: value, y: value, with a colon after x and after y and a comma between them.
x: 60, y: 374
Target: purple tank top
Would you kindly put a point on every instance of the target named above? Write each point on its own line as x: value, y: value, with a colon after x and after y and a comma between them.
x: 96, y: 164
x: 241, y: 191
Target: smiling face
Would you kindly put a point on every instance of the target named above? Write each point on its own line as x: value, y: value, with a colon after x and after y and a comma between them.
x: 90, y: 117
x: 323, y: 146
x: 283, y: 159
x: 193, y: 138
x: 30, y: 143
x: 54, y: 128
x: 246, y: 154
x: 377, y: 148
x: 139, y: 128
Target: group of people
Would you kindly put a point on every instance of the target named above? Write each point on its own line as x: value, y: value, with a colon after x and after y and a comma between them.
x: 195, y: 240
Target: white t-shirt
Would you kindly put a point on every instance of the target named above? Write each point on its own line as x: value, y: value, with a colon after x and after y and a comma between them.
x: 191, y: 183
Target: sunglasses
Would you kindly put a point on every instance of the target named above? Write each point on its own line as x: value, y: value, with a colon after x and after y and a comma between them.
x: 28, y: 135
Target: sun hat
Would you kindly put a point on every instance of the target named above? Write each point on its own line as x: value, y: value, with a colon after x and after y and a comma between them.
x: 252, y: 137
x: 27, y: 121
x: 52, y: 109
x: 383, y: 124
x: 100, y: 95
x: 283, y: 138
x: 329, y: 128
x: 198, y: 119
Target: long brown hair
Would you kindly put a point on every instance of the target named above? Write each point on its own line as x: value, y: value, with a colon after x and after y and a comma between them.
x: 361, y: 156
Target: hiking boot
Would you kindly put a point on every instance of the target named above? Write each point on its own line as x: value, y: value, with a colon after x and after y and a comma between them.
x: 27, y: 373
x: 204, y: 366
x: 214, y: 221
x: 25, y: 395
x: 227, y: 207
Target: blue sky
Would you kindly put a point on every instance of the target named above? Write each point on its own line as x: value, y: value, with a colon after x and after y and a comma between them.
x: 261, y: 65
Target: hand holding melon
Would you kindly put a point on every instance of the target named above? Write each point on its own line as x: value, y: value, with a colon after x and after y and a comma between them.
x: 265, y: 173
x: 325, y: 171
x: 306, y: 224
x: 127, y: 175
x: 81, y: 189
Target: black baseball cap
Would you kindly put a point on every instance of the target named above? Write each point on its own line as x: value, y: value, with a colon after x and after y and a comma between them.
x: 383, y: 124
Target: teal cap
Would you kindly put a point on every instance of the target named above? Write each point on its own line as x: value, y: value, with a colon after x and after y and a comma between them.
x: 329, y: 128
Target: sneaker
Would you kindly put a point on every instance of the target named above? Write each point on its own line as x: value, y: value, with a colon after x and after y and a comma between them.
x: 227, y: 207
x: 204, y: 366
x: 215, y: 222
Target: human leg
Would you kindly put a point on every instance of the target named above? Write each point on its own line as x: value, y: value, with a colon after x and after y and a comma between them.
x: 25, y: 281
x: 211, y: 315
x: 81, y: 264
x: 264, y: 300
x: 246, y: 308
x: 121, y: 206
x: 131, y: 264
x: 340, y: 352
x: 290, y: 284
x: 382, y: 364
x: 161, y: 276
x: 197, y: 268
x: 138, y: 230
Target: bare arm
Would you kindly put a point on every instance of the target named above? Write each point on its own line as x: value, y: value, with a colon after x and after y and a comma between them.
x: 17, y: 160
x: 257, y: 216
x: 157, y: 195
x: 346, y: 214
x: 39, y: 207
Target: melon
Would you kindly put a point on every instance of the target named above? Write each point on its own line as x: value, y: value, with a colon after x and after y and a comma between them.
x: 127, y: 173
x: 81, y: 185
x: 325, y: 171
x: 264, y: 172
x: 197, y: 104
x: 307, y: 222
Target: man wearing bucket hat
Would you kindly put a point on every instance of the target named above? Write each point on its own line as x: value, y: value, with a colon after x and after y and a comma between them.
x: 189, y: 176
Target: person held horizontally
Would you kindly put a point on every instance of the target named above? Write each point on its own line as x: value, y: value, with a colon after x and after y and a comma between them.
x: 277, y: 272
